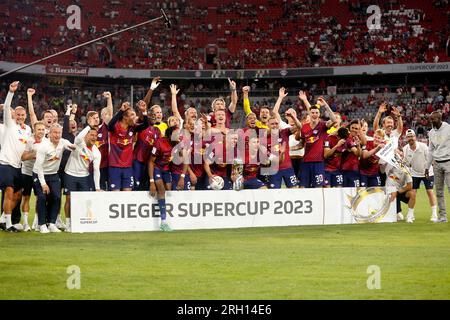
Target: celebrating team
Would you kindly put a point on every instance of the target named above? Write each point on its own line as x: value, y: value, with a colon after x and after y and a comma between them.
x: 137, y: 150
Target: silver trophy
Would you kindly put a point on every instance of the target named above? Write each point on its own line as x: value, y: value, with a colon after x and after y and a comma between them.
x: 237, y: 170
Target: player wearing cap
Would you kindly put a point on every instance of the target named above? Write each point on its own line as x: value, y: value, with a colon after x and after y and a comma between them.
x: 416, y: 158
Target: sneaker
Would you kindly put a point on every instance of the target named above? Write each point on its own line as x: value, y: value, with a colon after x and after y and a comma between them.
x: 26, y: 228
x: 12, y: 229
x: 53, y: 228
x: 2, y: 226
x: 442, y: 219
x: 400, y: 216
x: 43, y: 229
x: 60, y: 225
x: 35, y: 225
x: 18, y: 226
x: 410, y: 219
x: 68, y: 227
x: 165, y: 227
x: 434, y: 218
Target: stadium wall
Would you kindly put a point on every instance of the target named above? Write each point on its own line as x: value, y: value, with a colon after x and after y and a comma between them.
x: 234, y: 74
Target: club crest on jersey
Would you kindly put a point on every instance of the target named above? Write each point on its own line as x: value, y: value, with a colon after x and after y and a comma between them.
x: 84, y: 155
x: 54, y: 158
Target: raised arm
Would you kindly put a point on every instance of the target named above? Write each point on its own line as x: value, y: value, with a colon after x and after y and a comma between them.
x: 398, y: 117
x: 109, y: 103
x: 7, y: 107
x: 118, y: 116
x: 281, y: 95
x: 376, y: 122
x: 144, y: 125
x: 79, y: 139
x: 245, y: 91
x: 330, y: 112
x: 66, y: 122
x: 174, y: 91
x: 297, y: 124
x: 33, y: 117
x: 155, y: 83
x: 302, y: 96
x: 234, y: 96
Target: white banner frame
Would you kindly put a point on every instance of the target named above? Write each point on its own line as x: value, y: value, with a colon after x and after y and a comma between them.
x: 191, y: 210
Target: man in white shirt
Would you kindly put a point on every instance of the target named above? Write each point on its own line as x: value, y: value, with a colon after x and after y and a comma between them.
x: 76, y: 173
x: 46, y: 180
x: 388, y: 128
x: 401, y: 181
x: 439, y: 155
x: 29, y: 158
x: 14, y: 139
x: 416, y: 157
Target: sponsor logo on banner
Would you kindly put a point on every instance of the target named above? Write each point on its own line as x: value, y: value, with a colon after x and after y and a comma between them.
x: 189, y: 210
x: 370, y: 205
x: 65, y: 70
x: 89, y: 218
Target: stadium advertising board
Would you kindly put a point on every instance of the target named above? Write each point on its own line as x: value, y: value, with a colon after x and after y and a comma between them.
x: 137, y: 211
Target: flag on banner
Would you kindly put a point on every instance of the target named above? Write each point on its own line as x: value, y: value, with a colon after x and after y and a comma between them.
x: 388, y: 155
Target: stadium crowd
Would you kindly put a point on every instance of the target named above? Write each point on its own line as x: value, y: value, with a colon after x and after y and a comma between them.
x: 137, y: 148
x: 256, y: 34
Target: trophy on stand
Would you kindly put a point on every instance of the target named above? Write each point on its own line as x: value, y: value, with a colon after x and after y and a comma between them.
x: 237, y: 171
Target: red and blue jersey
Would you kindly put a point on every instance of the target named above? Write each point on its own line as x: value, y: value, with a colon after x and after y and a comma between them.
x: 121, y: 141
x: 162, y: 151
x: 144, y: 143
x: 369, y: 166
x: 282, y: 141
x: 350, y: 161
x: 102, y: 144
x: 314, y: 139
x: 121, y: 146
x: 217, y: 156
x: 251, y: 168
x: 198, y: 147
x: 333, y: 162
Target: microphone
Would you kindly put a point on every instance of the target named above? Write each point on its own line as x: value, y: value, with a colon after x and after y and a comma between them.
x: 168, y: 23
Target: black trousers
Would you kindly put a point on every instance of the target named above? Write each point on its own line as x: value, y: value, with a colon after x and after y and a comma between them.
x: 48, y: 205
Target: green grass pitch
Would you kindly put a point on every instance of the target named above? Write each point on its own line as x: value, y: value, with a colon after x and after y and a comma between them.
x: 307, y: 262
